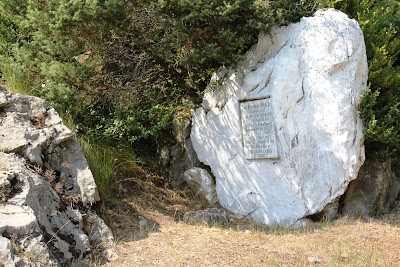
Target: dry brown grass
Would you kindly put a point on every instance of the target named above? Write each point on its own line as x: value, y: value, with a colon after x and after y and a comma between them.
x: 357, y: 243
x: 149, y: 233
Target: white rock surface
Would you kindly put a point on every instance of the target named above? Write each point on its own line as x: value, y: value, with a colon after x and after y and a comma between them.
x: 16, y: 220
x: 314, y: 72
x: 6, y: 257
x: 201, y: 183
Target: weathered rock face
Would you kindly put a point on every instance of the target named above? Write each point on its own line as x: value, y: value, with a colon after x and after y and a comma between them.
x: 178, y: 158
x: 46, y: 186
x: 201, y: 183
x: 296, y: 147
x: 373, y: 192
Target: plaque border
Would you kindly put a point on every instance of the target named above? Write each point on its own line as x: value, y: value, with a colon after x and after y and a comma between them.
x: 244, y: 100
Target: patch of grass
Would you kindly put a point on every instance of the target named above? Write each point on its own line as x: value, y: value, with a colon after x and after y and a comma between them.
x: 17, y: 79
x: 103, y: 163
x: 149, y: 191
x: 108, y: 164
x: 349, y: 255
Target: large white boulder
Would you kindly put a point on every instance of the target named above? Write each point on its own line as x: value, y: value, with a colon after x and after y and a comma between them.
x: 286, y: 156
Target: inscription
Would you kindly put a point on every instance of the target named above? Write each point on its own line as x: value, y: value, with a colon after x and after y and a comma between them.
x: 259, y: 140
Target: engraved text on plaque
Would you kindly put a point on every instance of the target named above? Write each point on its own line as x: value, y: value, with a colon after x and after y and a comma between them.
x: 259, y: 140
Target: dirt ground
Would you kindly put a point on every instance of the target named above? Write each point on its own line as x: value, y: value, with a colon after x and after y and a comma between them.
x: 149, y: 232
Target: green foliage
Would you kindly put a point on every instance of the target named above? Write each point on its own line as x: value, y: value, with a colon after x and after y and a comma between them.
x: 123, y: 69
x: 193, y: 38
x: 177, y: 45
x: 7, y: 34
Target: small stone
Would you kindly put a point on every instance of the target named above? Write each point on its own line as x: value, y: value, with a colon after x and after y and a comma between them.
x: 142, y: 223
x: 110, y: 255
x: 313, y: 261
x: 211, y: 216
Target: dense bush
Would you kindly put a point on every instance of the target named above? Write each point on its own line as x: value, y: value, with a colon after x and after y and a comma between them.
x: 195, y: 37
x: 59, y: 45
x: 123, y: 68
x: 176, y: 46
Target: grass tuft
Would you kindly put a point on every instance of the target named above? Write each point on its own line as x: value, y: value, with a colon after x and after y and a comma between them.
x: 17, y: 80
x: 103, y: 164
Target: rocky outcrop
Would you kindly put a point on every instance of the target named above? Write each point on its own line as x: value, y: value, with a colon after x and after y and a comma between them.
x: 282, y: 134
x: 46, y: 187
x: 179, y: 157
x: 373, y: 192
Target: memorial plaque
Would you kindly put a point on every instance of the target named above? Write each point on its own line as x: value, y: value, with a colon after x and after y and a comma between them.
x: 258, y: 129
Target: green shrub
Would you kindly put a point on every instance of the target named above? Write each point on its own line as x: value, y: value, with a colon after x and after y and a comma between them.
x: 194, y: 38
x: 122, y: 69
x: 18, y: 79
x: 177, y: 45
x: 58, y: 43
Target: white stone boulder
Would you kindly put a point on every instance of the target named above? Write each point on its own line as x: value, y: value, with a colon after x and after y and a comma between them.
x: 304, y: 144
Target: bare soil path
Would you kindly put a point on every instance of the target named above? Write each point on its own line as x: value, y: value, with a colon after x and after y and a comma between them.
x: 149, y: 233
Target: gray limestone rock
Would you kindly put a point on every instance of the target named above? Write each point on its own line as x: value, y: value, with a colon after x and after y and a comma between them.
x: 16, y: 220
x: 372, y: 193
x: 47, y: 210
x: 211, y: 217
x: 201, y: 183
x: 179, y: 157
x: 6, y: 253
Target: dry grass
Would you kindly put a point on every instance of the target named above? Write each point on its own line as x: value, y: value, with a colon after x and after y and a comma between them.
x: 358, y: 243
x: 149, y: 233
